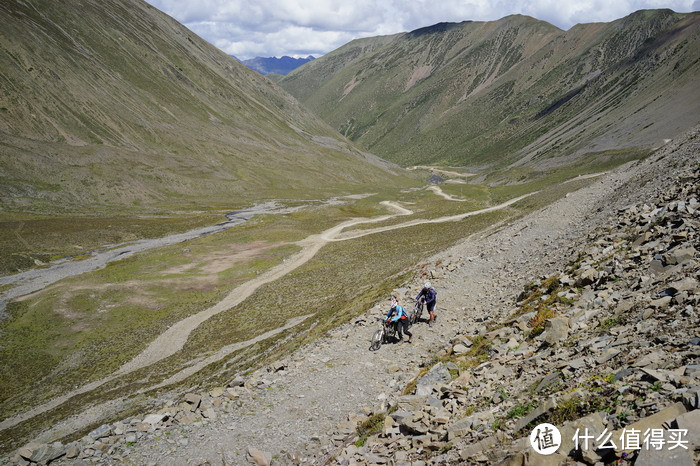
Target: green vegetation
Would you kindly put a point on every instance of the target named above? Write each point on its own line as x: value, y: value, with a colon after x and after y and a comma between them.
x: 371, y: 426
x: 600, y: 395
x: 566, y: 410
x: 425, y: 205
x: 475, y: 192
x: 609, y: 323
x: 520, y: 410
x: 544, y: 300
x: 25, y: 238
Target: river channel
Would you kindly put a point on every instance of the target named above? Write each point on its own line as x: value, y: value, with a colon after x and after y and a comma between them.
x: 39, y: 278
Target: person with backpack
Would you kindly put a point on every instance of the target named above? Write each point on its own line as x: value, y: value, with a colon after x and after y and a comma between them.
x: 399, y: 315
x: 430, y: 295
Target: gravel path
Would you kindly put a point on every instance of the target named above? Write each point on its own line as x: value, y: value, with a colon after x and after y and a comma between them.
x: 440, y: 170
x: 336, y: 377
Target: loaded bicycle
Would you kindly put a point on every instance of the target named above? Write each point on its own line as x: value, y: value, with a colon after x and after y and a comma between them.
x: 417, y: 310
x: 383, y: 335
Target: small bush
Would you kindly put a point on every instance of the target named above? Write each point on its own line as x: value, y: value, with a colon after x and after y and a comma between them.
x: 609, y: 323
x: 544, y: 313
x: 520, y: 410
x: 373, y: 425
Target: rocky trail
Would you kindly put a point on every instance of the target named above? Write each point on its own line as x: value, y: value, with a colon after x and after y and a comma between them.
x: 604, y: 336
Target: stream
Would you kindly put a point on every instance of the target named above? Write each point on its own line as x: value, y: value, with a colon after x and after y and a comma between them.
x: 39, y: 278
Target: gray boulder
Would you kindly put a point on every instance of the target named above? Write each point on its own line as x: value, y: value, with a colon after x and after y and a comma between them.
x: 438, y: 374
x: 555, y: 330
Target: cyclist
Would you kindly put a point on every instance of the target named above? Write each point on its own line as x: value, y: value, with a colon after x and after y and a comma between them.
x: 430, y: 295
x: 398, y: 315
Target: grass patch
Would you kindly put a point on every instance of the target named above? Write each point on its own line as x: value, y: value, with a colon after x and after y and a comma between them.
x: 566, y: 410
x: 25, y: 238
x: 87, y: 326
x: 537, y: 323
x: 544, y: 300
x: 609, y: 323
x: 520, y: 410
x: 425, y: 205
x: 478, y: 353
x: 373, y: 425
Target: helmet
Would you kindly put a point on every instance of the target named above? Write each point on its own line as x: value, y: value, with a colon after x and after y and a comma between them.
x: 427, y: 285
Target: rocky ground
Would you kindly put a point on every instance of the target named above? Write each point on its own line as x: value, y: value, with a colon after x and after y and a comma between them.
x: 583, y: 315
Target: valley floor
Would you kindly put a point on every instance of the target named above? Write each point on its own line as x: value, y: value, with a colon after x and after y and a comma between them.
x: 306, y: 406
x: 300, y: 402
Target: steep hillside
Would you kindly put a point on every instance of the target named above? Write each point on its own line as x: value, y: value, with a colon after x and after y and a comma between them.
x: 511, y: 91
x: 115, y: 104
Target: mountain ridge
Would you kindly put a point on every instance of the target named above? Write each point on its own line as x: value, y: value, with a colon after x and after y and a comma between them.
x: 507, y: 93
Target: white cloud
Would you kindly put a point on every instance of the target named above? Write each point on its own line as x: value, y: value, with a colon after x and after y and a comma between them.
x: 298, y: 27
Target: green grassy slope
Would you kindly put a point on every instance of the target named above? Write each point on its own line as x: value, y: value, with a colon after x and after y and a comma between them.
x: 513, y: 91
x: 113, y: 105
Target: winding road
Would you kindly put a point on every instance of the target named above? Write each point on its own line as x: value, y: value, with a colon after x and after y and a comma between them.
x: 440, y: 170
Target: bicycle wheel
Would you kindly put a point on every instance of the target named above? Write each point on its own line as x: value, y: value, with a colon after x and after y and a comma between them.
x: 390, y: 333
x: 377, y: 340
x: 417, y: 312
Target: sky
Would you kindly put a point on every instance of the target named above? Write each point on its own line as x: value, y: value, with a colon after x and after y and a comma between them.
x: 298, y: 28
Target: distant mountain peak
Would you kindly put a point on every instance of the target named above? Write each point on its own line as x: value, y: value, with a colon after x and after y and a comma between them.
x: 283, y: 65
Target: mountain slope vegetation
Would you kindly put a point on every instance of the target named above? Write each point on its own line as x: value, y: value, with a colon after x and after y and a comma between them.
x: 512, y: 92
x: 113, y: 105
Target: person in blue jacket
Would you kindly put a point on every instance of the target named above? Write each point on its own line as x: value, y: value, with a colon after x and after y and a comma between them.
x: 430, y: 300
x: 399, y: 315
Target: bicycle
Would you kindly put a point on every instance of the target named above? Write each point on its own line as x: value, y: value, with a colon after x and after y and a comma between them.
x: 417, y: 311
x: 385, y: 334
